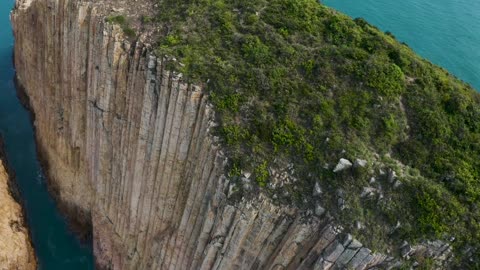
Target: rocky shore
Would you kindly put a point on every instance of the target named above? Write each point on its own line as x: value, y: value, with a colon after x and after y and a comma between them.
x: 16, y: 251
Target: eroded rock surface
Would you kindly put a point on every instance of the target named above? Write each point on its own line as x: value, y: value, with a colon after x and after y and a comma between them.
x: 16, y: 251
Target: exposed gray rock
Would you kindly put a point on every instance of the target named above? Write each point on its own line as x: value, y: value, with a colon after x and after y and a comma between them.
x: 405, y: 250
x: 397, y: 184
x: 359, y: 225
x: 246, y: 183
x: 333, y: 251
x: 231, y: 189
x: 345, y: 258
x: 368, y: 191
x: 392, y: 175
x: 438, y: 250
x: 347, y: 240
x: 317, y: 190
x: 341, y: 203
x: 319, y: 210
x: 359, y: 257
x: 118, y: 9
x: 342, y: 165
x: 393, y: 264
x: 360, y: 163
x: 396, y: 227
x: 355, y: 244
x: 321, y: 264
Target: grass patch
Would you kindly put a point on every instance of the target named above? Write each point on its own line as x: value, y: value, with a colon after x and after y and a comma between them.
x: 123, y: 22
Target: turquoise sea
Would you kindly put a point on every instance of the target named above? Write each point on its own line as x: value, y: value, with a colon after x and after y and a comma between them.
x: 446, y: 32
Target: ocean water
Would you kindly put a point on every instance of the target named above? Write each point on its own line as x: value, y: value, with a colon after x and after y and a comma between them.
x: 56, y: 247
x: 446, y: 32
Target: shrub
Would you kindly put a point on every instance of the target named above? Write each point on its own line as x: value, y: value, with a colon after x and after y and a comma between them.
x: 117, y: 19
x: 261, y: 174
x: 147, y: 19
x: 122, y: 21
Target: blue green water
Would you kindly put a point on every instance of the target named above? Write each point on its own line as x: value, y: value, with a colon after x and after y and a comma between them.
x: 446, y: 32
x: 56, y: 247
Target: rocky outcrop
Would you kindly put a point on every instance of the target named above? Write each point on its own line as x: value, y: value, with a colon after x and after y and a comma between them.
x: 129, y: 152
x: 16, y: 250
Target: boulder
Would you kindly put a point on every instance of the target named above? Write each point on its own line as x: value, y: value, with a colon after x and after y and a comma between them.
x: 368, y: 191
x: 317, y: 190
x: 319, y: 210
x: 360, y: 163
x: 342, y: 165
x: 392, y: 175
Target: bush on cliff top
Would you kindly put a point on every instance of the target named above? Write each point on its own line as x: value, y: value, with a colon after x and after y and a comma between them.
x: 295, y: 81
x: 123, y: 23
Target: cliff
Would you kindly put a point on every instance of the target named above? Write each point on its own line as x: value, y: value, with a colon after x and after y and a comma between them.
x: 131, y: 157
x: 127, y: 145
x: 16, y: 250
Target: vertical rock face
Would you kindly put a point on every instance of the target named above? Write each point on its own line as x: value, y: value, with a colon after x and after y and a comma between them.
x: 129, y: 151
x: 16, y: 251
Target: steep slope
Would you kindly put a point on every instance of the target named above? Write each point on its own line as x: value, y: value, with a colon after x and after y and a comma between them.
x: 16, y: 250
x: 131, y: 154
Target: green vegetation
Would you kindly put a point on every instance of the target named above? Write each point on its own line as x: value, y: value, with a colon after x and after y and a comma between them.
x: 296, y: 82
x: 123, y: 22
x: 147, y: 19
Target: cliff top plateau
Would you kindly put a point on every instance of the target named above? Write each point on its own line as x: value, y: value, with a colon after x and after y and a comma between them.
x: 328, y: 112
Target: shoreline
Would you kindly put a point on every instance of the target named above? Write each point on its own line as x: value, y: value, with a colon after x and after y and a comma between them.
x: 14, y: 192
